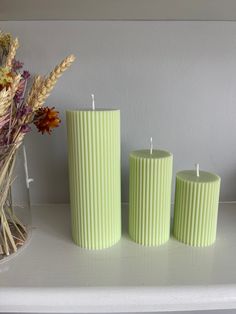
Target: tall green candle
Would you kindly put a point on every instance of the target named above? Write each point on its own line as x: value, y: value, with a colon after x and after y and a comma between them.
x: 196, y: 207
x: 94, y: 177
x: 150, y: 196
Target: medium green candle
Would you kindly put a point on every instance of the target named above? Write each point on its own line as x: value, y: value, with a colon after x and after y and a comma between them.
x: 196, y: 207
x: 94, y: 177
x: 150, y: 196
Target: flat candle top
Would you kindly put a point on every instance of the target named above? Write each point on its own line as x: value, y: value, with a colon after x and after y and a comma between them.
x: 191, y: 175
x: 145, y: 153
x: 91, y: 110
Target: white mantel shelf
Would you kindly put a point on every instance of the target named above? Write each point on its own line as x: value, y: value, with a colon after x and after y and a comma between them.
x: 54, y: 275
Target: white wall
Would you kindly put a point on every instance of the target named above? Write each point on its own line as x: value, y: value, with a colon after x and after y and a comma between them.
x: 175, y: 81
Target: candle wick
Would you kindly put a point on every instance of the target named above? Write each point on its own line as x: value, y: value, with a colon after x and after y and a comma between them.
x: 197, y: 170
x: 93, y: 102
x: 151, y: 146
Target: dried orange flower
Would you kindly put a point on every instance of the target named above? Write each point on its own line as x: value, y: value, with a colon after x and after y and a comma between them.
x: 46, y: 119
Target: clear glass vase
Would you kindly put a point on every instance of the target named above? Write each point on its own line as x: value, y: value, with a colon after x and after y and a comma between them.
x: 15, y: 213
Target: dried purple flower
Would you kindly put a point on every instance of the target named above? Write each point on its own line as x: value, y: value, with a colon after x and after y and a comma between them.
x: 17, y: 98
x: 23, y: 111
x: 25, y: 128
x: 17, y: 65
x: 20, y: 90
x: 26, y: 75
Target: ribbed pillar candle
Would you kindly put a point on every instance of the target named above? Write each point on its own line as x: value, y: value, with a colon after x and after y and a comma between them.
x: 94, y: 176
x: 150, y: 196
x: 196, y: 207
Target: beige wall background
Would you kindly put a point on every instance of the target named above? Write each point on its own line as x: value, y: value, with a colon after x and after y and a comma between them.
x: 174, y: 81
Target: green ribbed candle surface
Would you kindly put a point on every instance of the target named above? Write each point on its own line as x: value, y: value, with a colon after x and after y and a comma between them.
x: 94, y: 176
x: 150, y: 196
x: 196, y: 207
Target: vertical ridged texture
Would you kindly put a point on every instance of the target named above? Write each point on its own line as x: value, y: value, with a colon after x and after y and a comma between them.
x: 94, y: 175
x: 196, y: 208
x: 150, y: 197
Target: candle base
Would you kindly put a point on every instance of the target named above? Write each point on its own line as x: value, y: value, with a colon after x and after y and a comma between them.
x: 96, y: 245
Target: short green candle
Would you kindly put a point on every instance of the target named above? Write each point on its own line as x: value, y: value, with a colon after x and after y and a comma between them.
x: 94, y: 177
x: 150, y: 196
x: 196, y: 207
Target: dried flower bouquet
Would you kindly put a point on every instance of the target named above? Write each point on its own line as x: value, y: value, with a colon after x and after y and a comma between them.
x: 20, y: 107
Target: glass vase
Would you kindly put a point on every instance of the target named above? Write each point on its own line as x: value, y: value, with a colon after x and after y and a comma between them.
x: 15, y: 214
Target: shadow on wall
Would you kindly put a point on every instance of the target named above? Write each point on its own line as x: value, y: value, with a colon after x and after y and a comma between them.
x: 230, y: 177
x: 124, y: 172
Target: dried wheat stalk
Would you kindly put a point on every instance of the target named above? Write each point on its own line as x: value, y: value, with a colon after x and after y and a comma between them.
x: 12, y: 52
x: 6, y: 96
x: 15, y: 84
x: 5, y: 99
x: 41, y: 92
x: 38, y: 80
